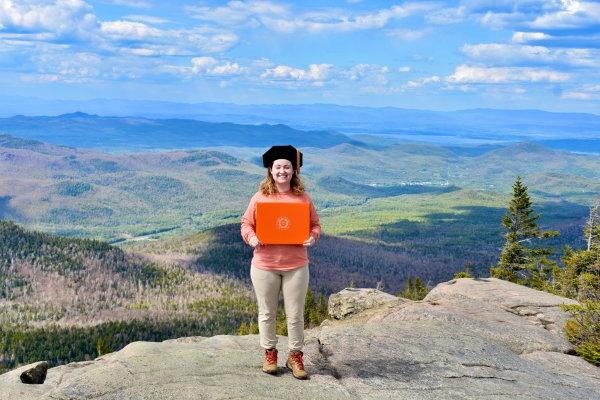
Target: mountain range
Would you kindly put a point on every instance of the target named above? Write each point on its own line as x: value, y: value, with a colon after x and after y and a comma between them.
x: 485, y: 124
x: 125, y: 133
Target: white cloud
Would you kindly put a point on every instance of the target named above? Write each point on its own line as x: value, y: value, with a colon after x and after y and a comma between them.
x: 576, y: 96
x: 412, y: 84
x: 284, y: 72
x: 524, y: 37
x: 335, y: 20
x: 404, y: 69
x: 264, y: 71
x: 447, y: 15
x: 213, y: 43
x: 132, y: 3
x: 315, y: 73
x: 498, y: 14
x: 282, y: 18
x: 12, y: 41
x: 148, y: 19
x: 583, y: 92
x: 469, y: 74
x: 465, y: 88
x: 129, y: 30
x: 71, y: 21
x: 60, y: 18
x: 573, y: 15
x: 369, y: 73
x: 407, y: 34
x: 227, y: 69
x: 155, y: 42
x: 262, y: 63
x: 261, y: 70
x: 77, y: 68
x: 202, y: 64
x: 511, y: 54
x: 238, y: 13
x: 495, y: 20
x: 553, y: 15
x: 149, y: 51
x: 207, y: 66
x: 44, y: 78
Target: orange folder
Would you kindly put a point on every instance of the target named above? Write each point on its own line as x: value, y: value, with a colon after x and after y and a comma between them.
x: 282, y: 223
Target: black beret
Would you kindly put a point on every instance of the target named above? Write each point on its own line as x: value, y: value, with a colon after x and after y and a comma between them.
x: 288, y: 152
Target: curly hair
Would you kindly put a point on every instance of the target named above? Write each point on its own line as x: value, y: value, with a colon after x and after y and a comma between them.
x: 269, y: 187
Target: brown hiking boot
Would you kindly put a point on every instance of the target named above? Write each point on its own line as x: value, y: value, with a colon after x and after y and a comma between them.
x: 296, y: 365
x: 270, y: 361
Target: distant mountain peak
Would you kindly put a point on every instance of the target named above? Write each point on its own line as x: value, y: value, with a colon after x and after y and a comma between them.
x: 78, y: 114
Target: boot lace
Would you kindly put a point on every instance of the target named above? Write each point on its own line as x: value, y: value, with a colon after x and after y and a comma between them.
x: 271, y: 356
x: 297, y: 359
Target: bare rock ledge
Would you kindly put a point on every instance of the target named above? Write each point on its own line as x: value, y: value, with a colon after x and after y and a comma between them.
x: 468, y: 339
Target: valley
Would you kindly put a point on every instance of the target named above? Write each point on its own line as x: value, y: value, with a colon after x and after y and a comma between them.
x: 102, y: 248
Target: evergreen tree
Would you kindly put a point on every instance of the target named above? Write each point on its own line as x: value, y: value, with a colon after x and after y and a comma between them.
x: 315, y: 310
x: 420, y: 289
x: 413, y: 290
x: 520, y: 262
x: 101, y: 346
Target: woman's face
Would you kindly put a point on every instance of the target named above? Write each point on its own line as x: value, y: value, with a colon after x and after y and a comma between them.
x: 282, y: 171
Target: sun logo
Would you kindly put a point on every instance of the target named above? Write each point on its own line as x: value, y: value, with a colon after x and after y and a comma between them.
x: 283, y: 223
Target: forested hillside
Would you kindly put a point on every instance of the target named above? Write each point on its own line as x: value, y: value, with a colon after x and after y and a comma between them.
x: 71, y: 299
x: 83, y: 281
x: 78, y: 193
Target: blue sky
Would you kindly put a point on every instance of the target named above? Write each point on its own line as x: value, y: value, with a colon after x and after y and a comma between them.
x: 439, y: 55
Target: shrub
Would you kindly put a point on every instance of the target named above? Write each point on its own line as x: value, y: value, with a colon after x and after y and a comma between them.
x: 583, y: 329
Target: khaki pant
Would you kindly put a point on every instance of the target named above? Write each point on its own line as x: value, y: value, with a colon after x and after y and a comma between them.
x: 267, y: 285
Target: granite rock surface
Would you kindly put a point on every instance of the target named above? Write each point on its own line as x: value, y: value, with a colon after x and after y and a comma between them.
x: 468, y: 339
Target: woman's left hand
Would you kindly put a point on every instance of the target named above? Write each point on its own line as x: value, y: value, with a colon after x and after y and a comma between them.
x: 309, y: 242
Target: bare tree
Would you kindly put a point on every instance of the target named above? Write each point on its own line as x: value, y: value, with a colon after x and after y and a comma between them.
x: 592, y: 226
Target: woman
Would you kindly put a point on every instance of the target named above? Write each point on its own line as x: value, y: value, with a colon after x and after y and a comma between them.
x: 280, y: 267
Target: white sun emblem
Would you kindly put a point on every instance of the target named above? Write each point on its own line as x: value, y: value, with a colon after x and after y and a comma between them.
x: 283, y: 223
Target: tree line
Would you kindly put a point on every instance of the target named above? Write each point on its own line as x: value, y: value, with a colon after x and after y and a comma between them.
x: 526, y: 261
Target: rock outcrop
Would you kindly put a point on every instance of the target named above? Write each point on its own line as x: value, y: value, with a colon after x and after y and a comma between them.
x: 352, y: 301
x: 468, y: 339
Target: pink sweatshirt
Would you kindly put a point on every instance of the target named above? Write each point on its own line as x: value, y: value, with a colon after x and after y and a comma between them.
x: 278, y: 256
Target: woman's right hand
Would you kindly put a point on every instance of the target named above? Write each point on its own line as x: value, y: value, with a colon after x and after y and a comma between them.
x: 254, y: 242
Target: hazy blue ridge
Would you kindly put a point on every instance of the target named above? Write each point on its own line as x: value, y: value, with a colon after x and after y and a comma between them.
x: 482, y: 123
x: 92, y: 131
